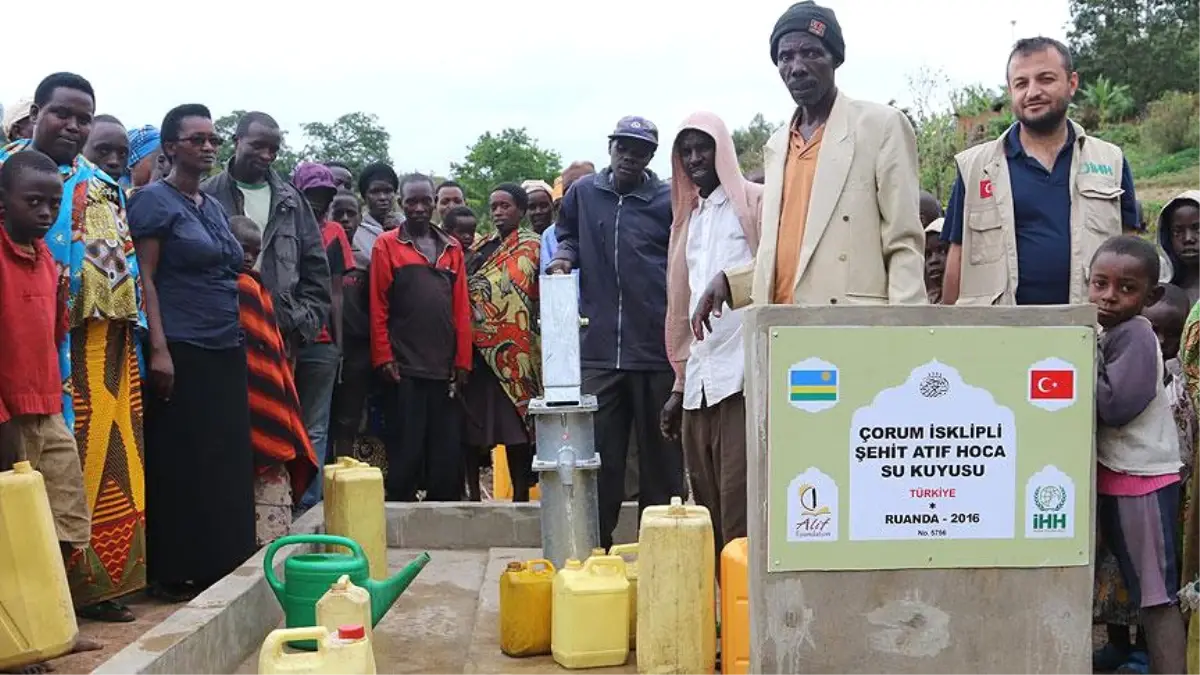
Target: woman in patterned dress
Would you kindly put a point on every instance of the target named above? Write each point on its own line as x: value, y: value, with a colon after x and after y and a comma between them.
x: 102, y: 396
x: 506, y: 373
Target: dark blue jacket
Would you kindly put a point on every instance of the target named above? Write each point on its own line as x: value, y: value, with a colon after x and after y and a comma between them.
x: 619, y: 245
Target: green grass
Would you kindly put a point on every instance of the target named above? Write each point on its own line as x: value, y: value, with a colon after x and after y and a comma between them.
x: 1158, y: 178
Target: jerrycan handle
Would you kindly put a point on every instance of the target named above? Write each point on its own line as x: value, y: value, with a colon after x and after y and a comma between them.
x: 541, y: 567
x: 628, y: 552
x: 609, y: 564
x: 327, y: 539
x: 278, y: 639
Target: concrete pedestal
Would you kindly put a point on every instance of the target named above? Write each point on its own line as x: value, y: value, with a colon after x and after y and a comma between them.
x: 1007, y: 616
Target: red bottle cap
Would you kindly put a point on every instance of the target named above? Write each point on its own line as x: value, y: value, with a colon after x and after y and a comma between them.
x: 352, y: 632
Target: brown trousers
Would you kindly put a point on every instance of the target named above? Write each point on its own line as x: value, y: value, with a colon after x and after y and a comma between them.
x: 714, y: 442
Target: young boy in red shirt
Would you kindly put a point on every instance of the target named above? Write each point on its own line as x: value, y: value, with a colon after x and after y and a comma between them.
x: 33, y: 320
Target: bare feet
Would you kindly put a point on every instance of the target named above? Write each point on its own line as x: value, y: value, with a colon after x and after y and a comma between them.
x: 81, y: 645
x: 33, y: 669
x: 86, y: 645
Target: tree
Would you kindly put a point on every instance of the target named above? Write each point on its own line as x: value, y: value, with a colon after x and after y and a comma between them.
x: 226, y: 125
x: 749, y: 141
x: 1107, y: 101
x: 356, y: 139
x: 1151, y: 45
x: 510, y: 156
x: 938, y: 135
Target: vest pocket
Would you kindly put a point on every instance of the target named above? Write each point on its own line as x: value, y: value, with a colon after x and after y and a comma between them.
x: 986, y: 242
x: 1100, y: 206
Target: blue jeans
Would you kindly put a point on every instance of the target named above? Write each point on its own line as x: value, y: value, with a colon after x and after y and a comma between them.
x: 316, y: 374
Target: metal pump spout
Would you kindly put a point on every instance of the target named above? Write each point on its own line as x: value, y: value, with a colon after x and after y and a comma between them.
x: 566, y: 466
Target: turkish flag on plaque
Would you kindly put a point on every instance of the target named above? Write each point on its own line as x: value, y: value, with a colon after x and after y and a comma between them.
x: 1052, y: 385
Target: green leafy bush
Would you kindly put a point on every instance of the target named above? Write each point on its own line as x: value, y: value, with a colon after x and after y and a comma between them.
x: 1172, y: 122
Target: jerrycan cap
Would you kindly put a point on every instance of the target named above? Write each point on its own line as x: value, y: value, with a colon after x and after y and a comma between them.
x: 341, y: 584
x: 516, y: 566
x: 573, y: 564
x: 599, y: 552
x: 22, y: 467
x: 676, y: 508
x: 352, y: 632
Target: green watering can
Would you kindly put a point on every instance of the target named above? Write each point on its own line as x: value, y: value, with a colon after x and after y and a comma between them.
x: 307, y: 576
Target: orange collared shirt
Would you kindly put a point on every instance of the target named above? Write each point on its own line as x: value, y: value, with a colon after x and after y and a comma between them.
x: 798, y: 175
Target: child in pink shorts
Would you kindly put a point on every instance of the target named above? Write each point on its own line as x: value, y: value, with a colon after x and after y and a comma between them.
x: 1137, y: 480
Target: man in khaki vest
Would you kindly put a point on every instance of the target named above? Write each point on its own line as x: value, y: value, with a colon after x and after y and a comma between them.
x: 1029, y: 209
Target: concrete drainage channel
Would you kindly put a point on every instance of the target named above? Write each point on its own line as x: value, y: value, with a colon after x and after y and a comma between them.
x: 445, y: 623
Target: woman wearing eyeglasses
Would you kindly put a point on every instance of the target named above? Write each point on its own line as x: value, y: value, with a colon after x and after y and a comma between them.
x: 199, y: 463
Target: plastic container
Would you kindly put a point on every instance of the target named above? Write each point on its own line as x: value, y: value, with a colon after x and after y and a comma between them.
x: 354, y: 509
x: 629, y: 553
x: 502, y: 489
x: 37, y: 619
x: 345, y: 604
x: 526, y: 597
x: 735, y: 607
x: 347, y: 651
x: 591, y: 614
x: 677, y: 627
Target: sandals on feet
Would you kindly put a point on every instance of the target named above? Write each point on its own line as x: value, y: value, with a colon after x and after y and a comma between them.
x: 172, y: 593
x: 108, y: 611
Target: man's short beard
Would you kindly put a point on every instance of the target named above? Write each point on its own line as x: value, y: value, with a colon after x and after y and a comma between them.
x: 1047, y: 122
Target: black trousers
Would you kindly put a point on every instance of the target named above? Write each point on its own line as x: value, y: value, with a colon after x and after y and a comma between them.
x: 424, y: 442
x: 630, y: 399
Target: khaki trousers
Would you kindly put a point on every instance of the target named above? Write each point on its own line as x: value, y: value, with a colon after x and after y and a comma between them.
x: 49, y: 446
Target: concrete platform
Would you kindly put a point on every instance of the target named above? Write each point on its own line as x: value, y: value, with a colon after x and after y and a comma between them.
x: 444, y: 623
x: 448, y: 620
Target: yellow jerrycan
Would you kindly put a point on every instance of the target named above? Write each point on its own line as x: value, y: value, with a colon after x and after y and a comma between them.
x: 502, y: 489
x: 526, y: 595
x: 735, y: 607
x: 37, y: 619
x: 677, y: 626
x: 591, y: 614
x: 629, y: 553
x: 346, y: 652
x: 345, y: 604
x: 354, y: 509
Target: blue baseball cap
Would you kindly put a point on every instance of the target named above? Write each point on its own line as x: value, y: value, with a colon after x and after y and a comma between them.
x: 638, y: 128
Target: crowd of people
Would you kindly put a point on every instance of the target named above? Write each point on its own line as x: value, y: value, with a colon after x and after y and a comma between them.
x: 186, y: 344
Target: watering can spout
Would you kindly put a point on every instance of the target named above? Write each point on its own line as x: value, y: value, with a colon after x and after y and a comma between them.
x: 385, y: 593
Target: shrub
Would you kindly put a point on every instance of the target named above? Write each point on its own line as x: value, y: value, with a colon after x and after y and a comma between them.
x: 1120, y: 135
x: 1172, y: 122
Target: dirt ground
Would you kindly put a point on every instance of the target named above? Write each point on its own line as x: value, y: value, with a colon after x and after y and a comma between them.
x: 115, y: 636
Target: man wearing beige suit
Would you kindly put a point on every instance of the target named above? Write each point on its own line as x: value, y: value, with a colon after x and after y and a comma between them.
x: 840, y: 216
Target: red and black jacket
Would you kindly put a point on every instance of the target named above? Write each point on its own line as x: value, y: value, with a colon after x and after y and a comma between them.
x: 420, y: 313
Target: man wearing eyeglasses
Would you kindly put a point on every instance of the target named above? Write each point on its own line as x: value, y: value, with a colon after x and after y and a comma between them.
x: 613, y: 228
x: 292, y: 263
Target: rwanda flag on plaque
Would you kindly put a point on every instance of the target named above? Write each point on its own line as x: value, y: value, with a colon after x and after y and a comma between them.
x: 813, y: 385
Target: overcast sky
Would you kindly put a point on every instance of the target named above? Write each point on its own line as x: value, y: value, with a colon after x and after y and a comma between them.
x: 439, y: 74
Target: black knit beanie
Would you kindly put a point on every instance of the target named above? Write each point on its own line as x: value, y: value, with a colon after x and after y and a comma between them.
x: 809, y: 17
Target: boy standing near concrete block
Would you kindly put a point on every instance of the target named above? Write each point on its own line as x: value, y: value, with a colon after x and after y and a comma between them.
x: 1137, y: 480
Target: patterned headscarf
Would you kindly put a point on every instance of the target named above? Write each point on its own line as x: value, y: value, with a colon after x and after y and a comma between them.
x: 143, y: 142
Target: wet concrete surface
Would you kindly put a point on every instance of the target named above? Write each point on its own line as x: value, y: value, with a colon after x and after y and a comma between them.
x: 448, y: 620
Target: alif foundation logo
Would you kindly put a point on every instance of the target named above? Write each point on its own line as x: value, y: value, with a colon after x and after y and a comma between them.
x: 812, y: 508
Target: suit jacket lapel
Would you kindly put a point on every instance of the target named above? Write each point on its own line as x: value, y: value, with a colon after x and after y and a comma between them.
x: 774, y: 161
x: 833, y: 166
